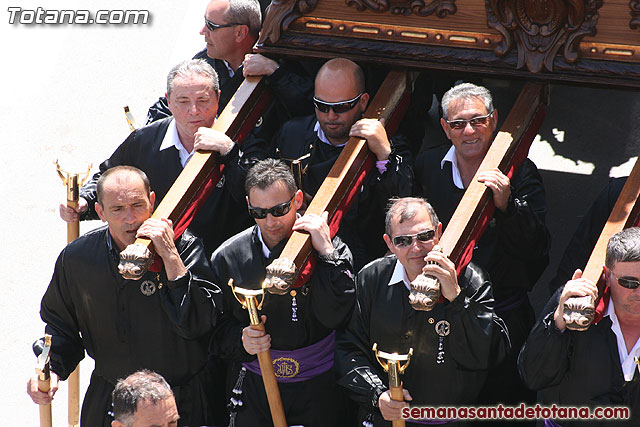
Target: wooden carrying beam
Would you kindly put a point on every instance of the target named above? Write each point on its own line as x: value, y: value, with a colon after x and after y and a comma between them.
x: 343, y: 173
x: 507, y: 152
x: 625, y: 214
x: 239, y: 113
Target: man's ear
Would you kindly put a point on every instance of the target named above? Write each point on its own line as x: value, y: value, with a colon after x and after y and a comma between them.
x: 115, y: 423
x: 364, y: 101
x: 445, y: 127
x: 152, y: 199
x: 439, y: 231
x: 242, y: 32
x: 100, y: 211
x: 298, y: 198
x: 389, y: 243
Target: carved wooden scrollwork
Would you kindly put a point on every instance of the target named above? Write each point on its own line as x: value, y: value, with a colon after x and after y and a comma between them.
x: 441, y: 8
x: 634, y: 5
x: 280, y: 14
x: 540, y: 28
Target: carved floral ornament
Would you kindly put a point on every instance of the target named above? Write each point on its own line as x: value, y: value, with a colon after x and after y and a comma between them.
x: 634, y: 5
x: 441, y: 8
x: 540, y: 28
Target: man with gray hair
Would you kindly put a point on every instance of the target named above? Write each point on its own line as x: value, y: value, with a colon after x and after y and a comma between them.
x: 598, y: 366
x: 230, y: 30
x: 144, y: 399
x: 514, y: 247
x: 163, y: 148
x: 453, y: 344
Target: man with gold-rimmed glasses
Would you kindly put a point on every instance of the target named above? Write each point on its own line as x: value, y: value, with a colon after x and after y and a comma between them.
x: 514, y: 248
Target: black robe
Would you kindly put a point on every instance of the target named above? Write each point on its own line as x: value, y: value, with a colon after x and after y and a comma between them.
x: 514, y: 250
x: 363, y: 225
x: 383, y: 315
x: 324, y: 303
x: 574, y: 368
x: 225, y: 211
x: 89, y: 306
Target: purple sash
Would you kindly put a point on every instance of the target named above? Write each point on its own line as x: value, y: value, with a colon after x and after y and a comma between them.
x: 301, y: 364
x: 549, y: 422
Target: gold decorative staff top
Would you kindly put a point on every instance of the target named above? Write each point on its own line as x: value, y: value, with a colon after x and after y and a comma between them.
x: 72, y: 181
x: 248, y: 299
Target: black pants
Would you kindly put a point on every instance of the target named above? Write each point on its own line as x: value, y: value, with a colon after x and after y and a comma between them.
x: 317, y: 402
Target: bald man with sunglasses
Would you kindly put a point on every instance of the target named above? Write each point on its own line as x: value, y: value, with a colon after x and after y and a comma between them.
x: 598, y: 366
x: 312, y: 144
x: 453, y: 345
x: 514, y: 248
x: 300, y: 324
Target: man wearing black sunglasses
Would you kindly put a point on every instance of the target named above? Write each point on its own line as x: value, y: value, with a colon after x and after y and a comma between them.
x: 316, y: 141
x: 514, y: 248
x: 598, y: 366
x: 453, y: 344
x: 300, y: 324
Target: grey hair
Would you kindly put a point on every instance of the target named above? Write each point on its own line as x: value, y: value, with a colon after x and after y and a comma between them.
x: 405, y: 209
x: 623, y: 246
x: 245, y: 12
x: 188, y: 69
x: 141, y: 385
x: 466, y: 91
x: 267, y: 172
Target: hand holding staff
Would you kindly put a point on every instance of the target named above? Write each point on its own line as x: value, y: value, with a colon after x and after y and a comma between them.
x: 248, y: 299
x: 390, y: 362
x: 44, y: 381
x: 73, y: 183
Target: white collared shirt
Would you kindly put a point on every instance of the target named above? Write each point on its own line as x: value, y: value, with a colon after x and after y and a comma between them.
x: 399, y: 275
x: 627, y: 360
x: 451, y: 157
x: 171, y: 139
x: 322, y: 137
x: 265, y: 250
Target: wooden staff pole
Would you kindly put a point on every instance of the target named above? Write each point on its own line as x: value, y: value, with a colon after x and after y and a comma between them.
x: 44, y: 381
x: 248, y: 299
x: 625, y: 214
x: 391, y: 363
x: 73, y: 183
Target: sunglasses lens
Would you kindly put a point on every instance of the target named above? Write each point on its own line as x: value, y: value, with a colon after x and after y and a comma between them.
x: 457, y: 124
x: 402, y: 241
x: 478, y: 121
x: 628, y: 283
x: 426, y: 236
x: 321, y: 106
x: 257, y: 213
x: 342, y: 108
x: 281, y: 209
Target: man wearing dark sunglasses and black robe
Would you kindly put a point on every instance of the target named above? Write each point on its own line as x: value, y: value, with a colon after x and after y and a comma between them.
x: 300, y: 324
x: 599, y: 366
x: 514, y: 248
x: 316, y: 141
x: 453, y: 345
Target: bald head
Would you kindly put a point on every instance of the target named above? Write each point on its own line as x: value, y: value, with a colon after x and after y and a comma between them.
x: 342, y: 72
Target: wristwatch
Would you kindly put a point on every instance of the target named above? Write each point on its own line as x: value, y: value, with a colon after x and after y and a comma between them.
x: 332, y: 256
